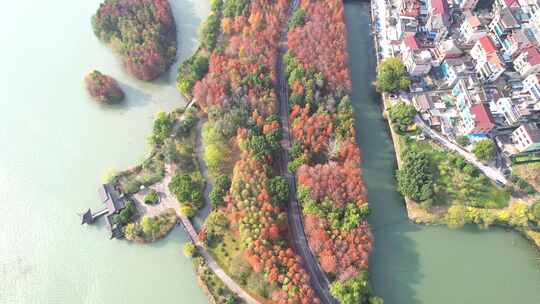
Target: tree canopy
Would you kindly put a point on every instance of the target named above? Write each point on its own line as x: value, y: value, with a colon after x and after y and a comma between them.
x: 354, y: 291
x: 402, y: 115
x: 392, y: 76
x: 484, y: 150
x: 142, y: 31
x: 415, y: 178
x: 103, y: 88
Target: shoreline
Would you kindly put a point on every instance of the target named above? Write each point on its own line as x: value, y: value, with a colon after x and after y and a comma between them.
x: 415, y: 213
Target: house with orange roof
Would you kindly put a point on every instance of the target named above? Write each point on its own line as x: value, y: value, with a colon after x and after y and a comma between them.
x: 472, y: 29
x: 489, y: 65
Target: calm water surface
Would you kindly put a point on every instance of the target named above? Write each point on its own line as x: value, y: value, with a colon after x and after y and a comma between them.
x: 56, y: 144
x: 419, y: 264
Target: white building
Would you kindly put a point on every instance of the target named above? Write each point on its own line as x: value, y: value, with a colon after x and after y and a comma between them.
x: 527, y: 137
x: 531, y: 84
x: 528, y: 62
x: 489, y: 64
x: 472, y: 29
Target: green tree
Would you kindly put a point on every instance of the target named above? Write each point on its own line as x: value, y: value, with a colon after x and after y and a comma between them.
x: 463, y: 141
x: 298, y: 18
x: 162, y: 127
x: 127, y: 213
x: 186, y: 189
x: 484, y: 150
x: 415, y: 179
x: 402, y: 115
x: 392, y: 76
x: 535, y: 211
x: 217, y: 223
x: 189, y: 250
x: 278, y: 189
x: 352, y: 291
x: 220, y: 189
x: 150, y: 226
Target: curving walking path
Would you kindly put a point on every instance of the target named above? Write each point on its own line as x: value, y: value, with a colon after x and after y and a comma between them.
x: 168, y: 200
x: 318, y: 278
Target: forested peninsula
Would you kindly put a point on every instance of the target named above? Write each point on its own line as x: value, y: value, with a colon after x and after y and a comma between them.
x: 234, y: 80
x: 142, y: 32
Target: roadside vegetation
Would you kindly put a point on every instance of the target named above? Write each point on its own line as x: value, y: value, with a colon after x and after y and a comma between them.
x: 246, y: 229
x: 211, y: 284
x: 324, y: 154
x: 142, y: 32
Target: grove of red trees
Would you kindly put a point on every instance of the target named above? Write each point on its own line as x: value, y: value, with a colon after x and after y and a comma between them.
x: 103, y: 87
x: 331, y: 187
x: 246, y: 67
x: 242, y: 71
x: 322, y: 42
x: 143, y: 32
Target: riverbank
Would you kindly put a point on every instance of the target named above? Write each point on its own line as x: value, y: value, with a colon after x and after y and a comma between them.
x: 439, y: 214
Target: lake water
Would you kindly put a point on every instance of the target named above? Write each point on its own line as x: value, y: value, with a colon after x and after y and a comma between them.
x: 57, y: 143
x: 419, y: 264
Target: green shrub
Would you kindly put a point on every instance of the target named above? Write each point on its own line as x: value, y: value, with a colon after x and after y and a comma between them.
x: 484, y: 150
x: 151, y: 197
x: 220, y: 189
x: 392, y: 75
x: 189, y: 250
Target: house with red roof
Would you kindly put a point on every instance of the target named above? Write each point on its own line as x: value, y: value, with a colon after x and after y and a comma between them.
x: 481, y: 122
x: 489, y: 65
x: 438, y: 20
x: 416, y: 60
x: 528, y: 62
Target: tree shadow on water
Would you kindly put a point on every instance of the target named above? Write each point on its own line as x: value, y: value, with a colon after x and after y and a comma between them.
x: 134, y: 97
x: 187, y: 25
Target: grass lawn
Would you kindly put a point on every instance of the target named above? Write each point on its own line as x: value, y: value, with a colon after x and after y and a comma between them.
x: 454, y: 183
x: 224, y: 251
x: 529, y: 172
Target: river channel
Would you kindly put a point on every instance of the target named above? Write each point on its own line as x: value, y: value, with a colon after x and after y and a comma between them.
x: 419, y: 264
x: 57, y: 143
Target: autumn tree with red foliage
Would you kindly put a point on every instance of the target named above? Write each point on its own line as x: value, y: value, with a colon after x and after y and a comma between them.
x: 103, y: 88
x: 322, y: 41
x: 242, y: 71
x: 325, y: 155
x: 143, y: 32
x: 245, y: 70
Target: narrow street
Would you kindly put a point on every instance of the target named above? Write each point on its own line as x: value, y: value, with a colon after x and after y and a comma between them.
x: 319, y: 281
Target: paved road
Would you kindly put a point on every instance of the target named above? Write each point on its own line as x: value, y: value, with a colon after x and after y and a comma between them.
x: 491, y: 172
x: 319, y: 281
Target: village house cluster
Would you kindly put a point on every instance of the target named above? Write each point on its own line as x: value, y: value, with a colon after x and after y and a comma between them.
x: 475, y: 70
